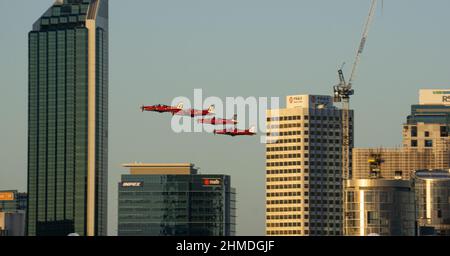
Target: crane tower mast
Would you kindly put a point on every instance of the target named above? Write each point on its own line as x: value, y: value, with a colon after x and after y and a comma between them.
x: 342, y: 93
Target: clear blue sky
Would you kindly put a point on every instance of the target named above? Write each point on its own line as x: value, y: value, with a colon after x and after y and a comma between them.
x: 163, y: 49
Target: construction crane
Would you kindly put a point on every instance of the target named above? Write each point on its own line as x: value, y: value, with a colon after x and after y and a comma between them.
x: 344, y: 90
x: 342, y: 93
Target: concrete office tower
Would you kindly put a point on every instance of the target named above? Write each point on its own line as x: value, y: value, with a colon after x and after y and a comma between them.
x: 304, y: 167
x: 13, y: 207
x: 432, y: 188
x: 174, y: 200
x: 379, y: 207
x: 68, y: 120
x: 426, y: 142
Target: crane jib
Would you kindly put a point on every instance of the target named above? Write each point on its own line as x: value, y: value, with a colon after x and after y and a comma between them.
x: 362, y: 45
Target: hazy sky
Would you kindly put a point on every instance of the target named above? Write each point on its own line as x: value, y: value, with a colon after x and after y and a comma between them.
x: 163, y: 49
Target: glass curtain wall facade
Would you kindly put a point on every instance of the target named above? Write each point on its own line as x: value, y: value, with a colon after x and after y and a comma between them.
x: 438, y: 114
x: 176, y: 205
x: 433, y: 201
x: 380, y: 207
x: 68, y: 119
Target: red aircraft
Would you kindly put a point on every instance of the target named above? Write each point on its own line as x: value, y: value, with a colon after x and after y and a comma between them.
x: 163, y: 108
x: 194, y: 112
x: 218, y: 121
x: 236, y: 132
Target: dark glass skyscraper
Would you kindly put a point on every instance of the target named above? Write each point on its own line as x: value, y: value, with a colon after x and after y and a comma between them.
x: 68, y: 120
x: 174, y: 200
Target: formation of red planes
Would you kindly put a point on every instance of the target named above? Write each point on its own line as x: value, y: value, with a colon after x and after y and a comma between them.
x: 179, y: 110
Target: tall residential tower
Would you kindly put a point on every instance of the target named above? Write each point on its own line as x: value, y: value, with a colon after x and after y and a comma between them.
x: 68, y: 120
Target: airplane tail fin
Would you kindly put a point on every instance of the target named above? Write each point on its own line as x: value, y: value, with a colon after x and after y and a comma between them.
x: 212, y: 109
x: 252, y: 129
x: 180, y: 105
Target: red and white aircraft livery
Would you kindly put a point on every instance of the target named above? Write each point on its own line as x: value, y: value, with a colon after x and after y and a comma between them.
x: 194, y: 112
x: 218, y: 121
x: 236, y: 132
x: 163, y: 108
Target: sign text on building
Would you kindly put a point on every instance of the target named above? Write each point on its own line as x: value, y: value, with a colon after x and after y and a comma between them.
x: 434, y: 97
x: 127, y: 184
x: 6, y: 196
x: 212, y: 182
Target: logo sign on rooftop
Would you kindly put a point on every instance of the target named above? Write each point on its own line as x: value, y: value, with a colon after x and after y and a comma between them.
x: 309, y: 101
x: 212, y: 182
x: 434, y: 97
x: 6, y: 196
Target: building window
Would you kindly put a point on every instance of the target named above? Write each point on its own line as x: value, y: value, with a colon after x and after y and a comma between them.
x: 413, y: 143
x: 428, y: 143
x: 413, y: 131
x: 444, y: 131
x: 369, y: 197
x: 427, y: 134
x: 372, y: 218
x: 398, y: 175
x: 350, y: 197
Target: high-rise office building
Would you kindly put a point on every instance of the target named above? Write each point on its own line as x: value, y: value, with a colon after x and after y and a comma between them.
x: 174, y: 200
x: 426, y: 142
x: 379, y: 207
x: 68, y: 120
x: 304, y: 167
x: 13, y: 205
x: 426, y: 145
x: 432, y: 188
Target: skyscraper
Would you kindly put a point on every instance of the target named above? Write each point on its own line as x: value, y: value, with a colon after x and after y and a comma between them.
x: 175, y: 200
x: 304, y: 167
x: 426, y: 142
x: 425, y: 150
x: 68, y: 120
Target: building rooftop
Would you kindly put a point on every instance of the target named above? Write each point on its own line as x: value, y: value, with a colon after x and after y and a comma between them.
x: 161, y: 168
x: 158, y: 165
